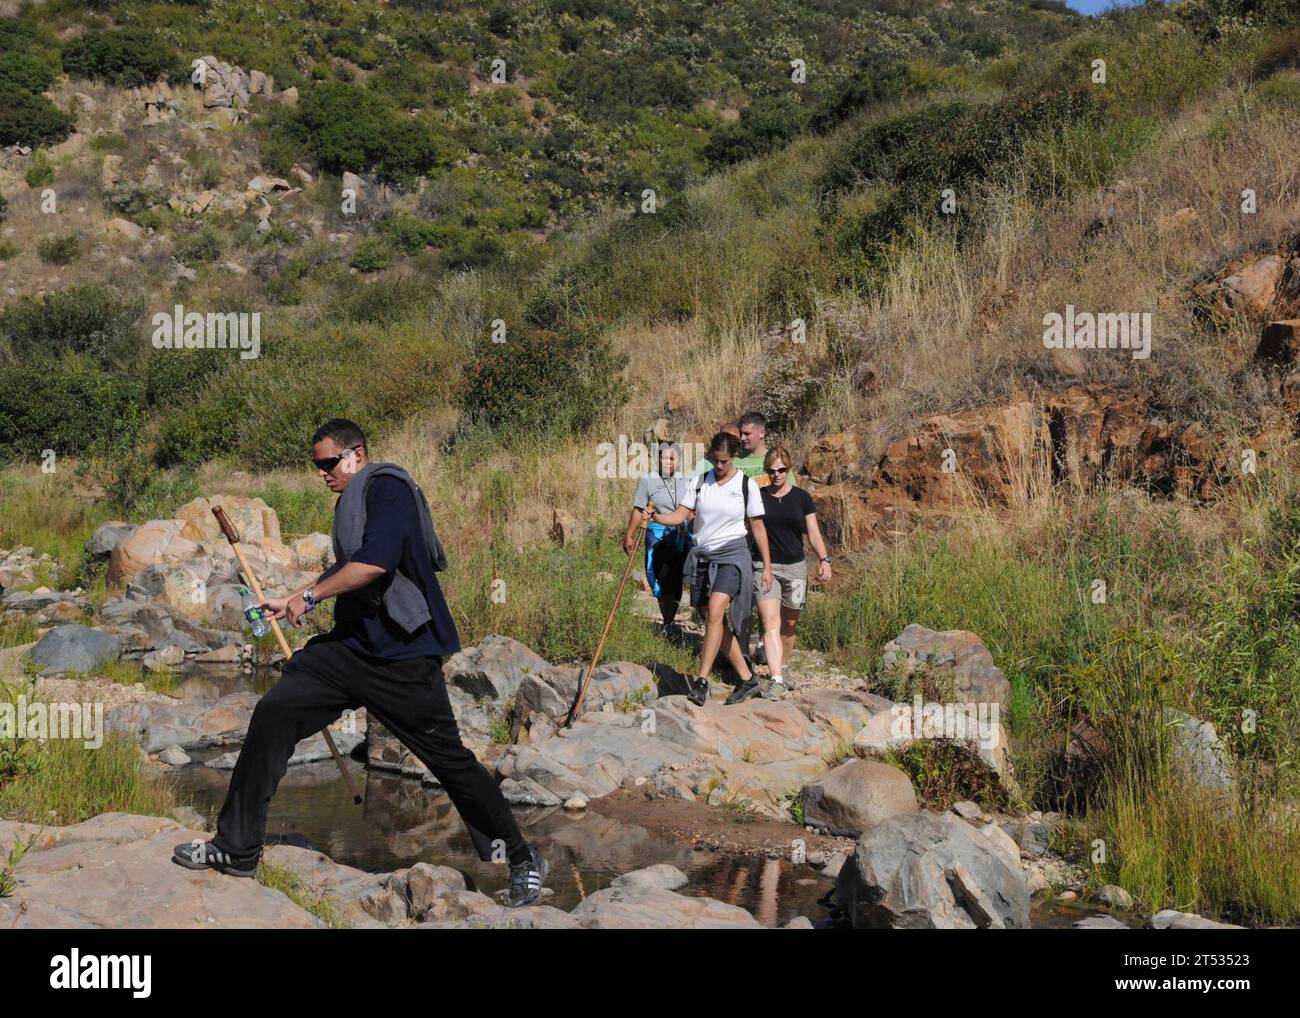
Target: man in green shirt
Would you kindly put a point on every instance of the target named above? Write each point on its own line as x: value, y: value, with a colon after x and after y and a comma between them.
x: 753, y: 447
x: 752, y: 432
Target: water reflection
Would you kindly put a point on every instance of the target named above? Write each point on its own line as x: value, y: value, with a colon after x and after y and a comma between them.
x: 402, y: 823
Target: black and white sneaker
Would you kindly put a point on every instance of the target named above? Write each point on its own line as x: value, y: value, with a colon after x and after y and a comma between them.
x: 526, y: 881
x: 744, y: 691
x: 203, y: 855
x: 699, y: 694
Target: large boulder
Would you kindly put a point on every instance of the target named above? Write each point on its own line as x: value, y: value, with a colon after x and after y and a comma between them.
x: 187, y: 724
x: 620, y: 684
x: 75, y: 648
x: 150, y: 543
x: 967, y: 724
x: 253, y: 518
x: 856, y: 796
x: 1201, y: 753
x: 956, y: 658
x: 929, y: 871
x: 494, y: 669
x: 106, y: 537
x: 313, y: 553
x: 596, y: 756
x: 181, y: 586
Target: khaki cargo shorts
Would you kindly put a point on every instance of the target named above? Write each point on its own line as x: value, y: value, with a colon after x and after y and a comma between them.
x: 789, y: 584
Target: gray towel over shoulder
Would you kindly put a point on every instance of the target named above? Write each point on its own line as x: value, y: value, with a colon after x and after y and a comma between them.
x: 403, y: 600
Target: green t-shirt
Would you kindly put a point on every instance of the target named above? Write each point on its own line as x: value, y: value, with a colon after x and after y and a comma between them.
x: 752, y: 466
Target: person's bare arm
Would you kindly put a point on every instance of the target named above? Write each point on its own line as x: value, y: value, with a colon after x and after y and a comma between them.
x: 759, y: 530
x: 819, y: 546
x: 352, y: 576
x: 633, y: 522
x: 680, y: 515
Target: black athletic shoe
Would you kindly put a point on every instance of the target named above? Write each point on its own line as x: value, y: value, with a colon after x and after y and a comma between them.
x: 526, y: 881
x: 699, y: 694
x: 203, y: 855
x: 744, y: 691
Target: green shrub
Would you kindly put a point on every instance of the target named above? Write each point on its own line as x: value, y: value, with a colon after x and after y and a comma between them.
x: 409, y: 234
x: 352, y: 128
x: 204, y: 245
x: 28, y: 118
x: 540, y: 384
x: 40, y: 172
x: 372, y: 255
x: 7, y: 250
x: 198, y: 431
x: 74, y: 409
x: 32, y: 71
x: 88, y: 320
x: 768, y: 122
x: 127, y: 58
x: 1281, y: 91
x: 60, y: 250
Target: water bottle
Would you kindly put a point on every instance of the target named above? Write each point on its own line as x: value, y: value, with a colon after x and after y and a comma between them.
x: 256, y: 616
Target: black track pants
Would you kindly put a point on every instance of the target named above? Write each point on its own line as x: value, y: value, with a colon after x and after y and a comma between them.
x: 409, y: 698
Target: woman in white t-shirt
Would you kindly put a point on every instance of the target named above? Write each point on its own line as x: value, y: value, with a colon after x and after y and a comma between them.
x: 727, y: 508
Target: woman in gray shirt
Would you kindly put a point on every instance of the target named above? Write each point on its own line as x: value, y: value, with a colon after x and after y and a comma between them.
x: 665, y: 546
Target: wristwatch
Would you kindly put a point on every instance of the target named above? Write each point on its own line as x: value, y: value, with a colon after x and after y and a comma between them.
x: 309, y: 600
x: 826, y: 559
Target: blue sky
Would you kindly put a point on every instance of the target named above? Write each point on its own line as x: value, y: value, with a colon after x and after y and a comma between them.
x: 1093, y: 6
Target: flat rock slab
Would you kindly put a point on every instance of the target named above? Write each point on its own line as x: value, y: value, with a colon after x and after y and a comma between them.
x: 645, y: 907
x: 115, y: 872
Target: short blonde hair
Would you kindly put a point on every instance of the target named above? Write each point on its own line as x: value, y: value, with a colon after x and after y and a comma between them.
x: 777, y: 452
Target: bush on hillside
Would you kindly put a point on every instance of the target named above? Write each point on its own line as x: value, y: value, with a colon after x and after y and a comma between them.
x: 73, y: 409
x: 127, y: 58
x: 61, y: 250
x: 33, y: 71
x: 766, y: 124
x: 352, y: 128
x: 540, y: 384
x: 28, y: 118
x: 86, y: 320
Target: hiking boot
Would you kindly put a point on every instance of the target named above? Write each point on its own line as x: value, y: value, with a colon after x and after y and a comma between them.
x: 699, y: 694
x: 202, y: 855
x: 526, y: 880
x: 777, y: 690
x: 744, y: 691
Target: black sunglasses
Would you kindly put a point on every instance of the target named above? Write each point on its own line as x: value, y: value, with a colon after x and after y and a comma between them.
x: 330, y: 462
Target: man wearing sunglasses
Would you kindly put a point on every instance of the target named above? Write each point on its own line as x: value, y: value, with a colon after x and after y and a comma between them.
x: 392, y: 631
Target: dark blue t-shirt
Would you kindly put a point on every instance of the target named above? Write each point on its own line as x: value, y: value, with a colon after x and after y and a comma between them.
x: 394, y: 539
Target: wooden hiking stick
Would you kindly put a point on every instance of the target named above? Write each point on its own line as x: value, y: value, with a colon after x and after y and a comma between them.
x: 609, y: 621
x: 232, y: 535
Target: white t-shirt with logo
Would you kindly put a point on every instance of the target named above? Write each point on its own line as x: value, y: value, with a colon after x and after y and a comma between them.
x: 720, y: 509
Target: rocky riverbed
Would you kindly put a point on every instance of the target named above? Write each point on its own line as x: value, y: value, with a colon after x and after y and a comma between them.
x: 790, y: 811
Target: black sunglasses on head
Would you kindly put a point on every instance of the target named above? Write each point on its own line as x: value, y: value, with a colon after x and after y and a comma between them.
x: 330, y: 462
